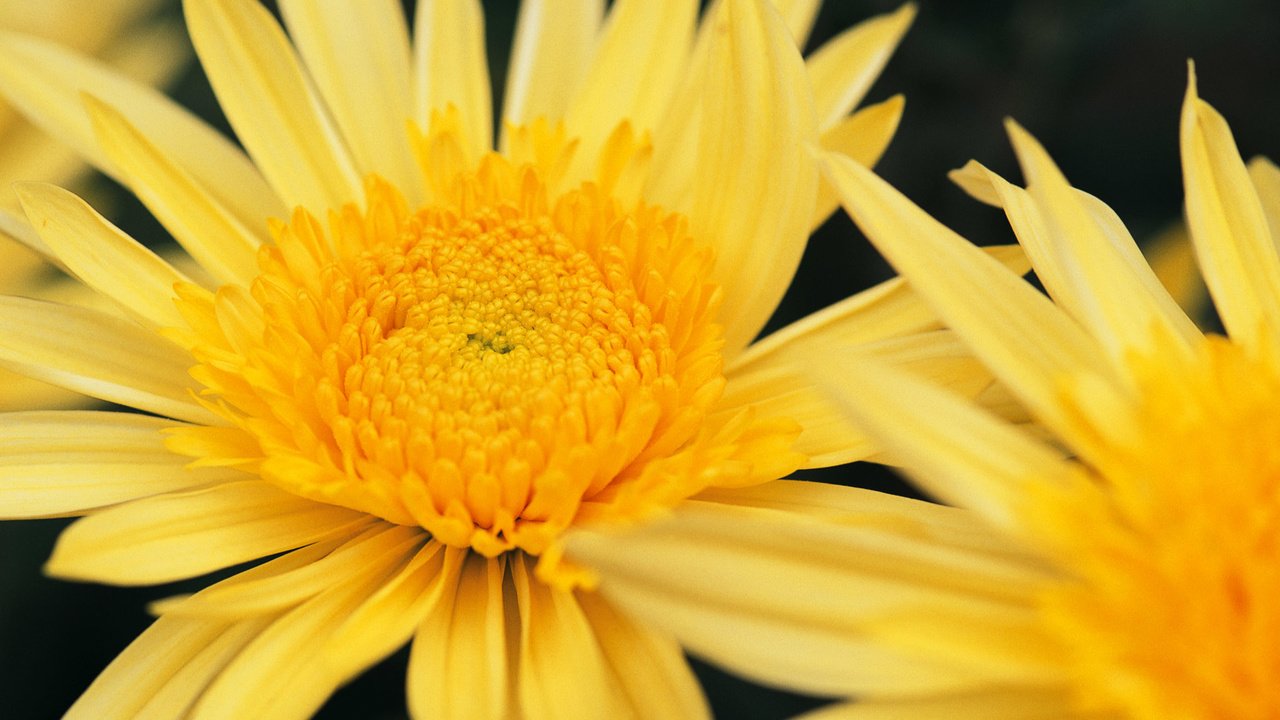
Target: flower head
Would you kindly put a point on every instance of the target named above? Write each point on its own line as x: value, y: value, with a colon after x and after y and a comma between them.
x: 1126, y: 566
x: 412, y: 363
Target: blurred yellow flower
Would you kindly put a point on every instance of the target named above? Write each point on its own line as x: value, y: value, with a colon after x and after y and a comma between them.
x: 419, y: 363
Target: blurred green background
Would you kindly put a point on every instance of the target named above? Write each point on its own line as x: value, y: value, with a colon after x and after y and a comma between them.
x: 1098, y: 82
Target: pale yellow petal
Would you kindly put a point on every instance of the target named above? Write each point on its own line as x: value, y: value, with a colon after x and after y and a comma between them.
x: 21, y: 258
x: 1028, y: 342
x: 285, y: 673
x: 58, y: 463
x: 214, y: 237
x: 1229, y: 227
x: 988, y: 467
x: 182, y: 535
x: 102, y: 256
x: 799, y: 16
x: 756, y: 185
x: 647, y: 666
x: 557, y: 641
x: 1092, y: 266
x: 863, y: 136
x: 1265, y: 177
x: 550, y: 56
x: 782, y: 598
x: 459, y: 666
x: 268, y: 99
x: 844, y: 68
x: 640, y: 59
x: 1006, y: 703
x: 162, y: 673
x: 358, y: 55
x: 452, y: 68
x: 46, y: 82
x: 100, y: 355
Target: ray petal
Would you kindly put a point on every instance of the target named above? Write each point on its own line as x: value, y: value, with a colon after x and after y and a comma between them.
x: 1229, y: 227
x: 552, y: 51
x: 182, y: 535
x: 1006, y: 703
x: 843, y: 69
x: 452, y: 68
x: 1266, y: 181
x: 268, y: 99
x: 863, y: 136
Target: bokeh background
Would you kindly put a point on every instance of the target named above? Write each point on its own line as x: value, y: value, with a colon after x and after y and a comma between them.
x: 1099, y: 82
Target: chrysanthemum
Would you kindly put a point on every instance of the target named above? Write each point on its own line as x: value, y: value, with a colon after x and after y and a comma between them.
x: 411, y: 366
x: 1122, y: 560
x: 125, y: 34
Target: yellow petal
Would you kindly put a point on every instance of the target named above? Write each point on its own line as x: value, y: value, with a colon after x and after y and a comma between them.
x: 1266, y: 181
x: 641, y: 56
x: 844, y: 68
x: 563, y: 671
x: 46, y: 82
x: 21, y: 258
x: 756, y: 186
x: 781, y: 598
x: 162, y: 673
x: 57, y: 463
x: 863, y: 136
x: 182, y: 535
x: 987, y: 467
x: 100, y: 355
x: 1229, y: 227
x: 1007, y: 703
x: 799, y: 16
x: 459, y: 667
x: 358, y: 55
x: 550, y: 56
x: 451, y: 68
x: 102, y: 256
x: 1029, y: 344
x: 267, y: 98
x: 648, y: 667
x: 1092, y: 266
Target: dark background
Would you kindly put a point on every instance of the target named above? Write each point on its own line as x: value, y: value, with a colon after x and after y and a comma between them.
x: 1099, y: 83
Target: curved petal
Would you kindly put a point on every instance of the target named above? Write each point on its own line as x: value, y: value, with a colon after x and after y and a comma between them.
x: 182, y: 535
x: 102, y: 256
x: 266, y: 96
x: 46, y: 82
x: 358, y: 55
x: 756, y: 186
x: 843, y: 69
x: 1233, y: 242
x: 100, y: 355
x: 452, y: 68
x: 550, y: 56
x: 58, y: 463
x: 863, y: 136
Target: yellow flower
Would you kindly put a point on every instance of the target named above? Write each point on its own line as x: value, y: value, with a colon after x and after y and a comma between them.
x: 1138, y: 573
x: 126, y: 35
x: 412, y: 366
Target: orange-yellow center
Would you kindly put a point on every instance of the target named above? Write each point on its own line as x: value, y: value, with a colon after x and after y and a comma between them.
x: 1174, y: 609
x: 494, y: 366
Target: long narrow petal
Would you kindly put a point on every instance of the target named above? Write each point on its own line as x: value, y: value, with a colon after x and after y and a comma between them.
x: 1229, y: 227
x: 647, y: 666
x: 557, y: 641
x: 459, y: 666
x: 47, y: 81
x: 214, y: 237
x: 452, y: 68
x: 843, y: 69
x: 358, y: 54
x: 100, y: 355
x: 799, y: 16
x: 267, y: 98
x: 1266, y: 182
x: 756, y: 186
x: 163, y: 672
x: 1028, y: 342
x: 550, y: 56
x: 182, y: 535
x: 642, y: 53
x: 863, y: 136
x: 58, y: 463
x: 988, y: 466
x: 783, y: 599
x: 1099, y: 272
x: 1006, y: 703
x: 102, y: 256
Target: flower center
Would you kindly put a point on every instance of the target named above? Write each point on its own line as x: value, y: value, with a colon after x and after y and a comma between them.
x: 494, y: 366
x: 1176, y: 610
